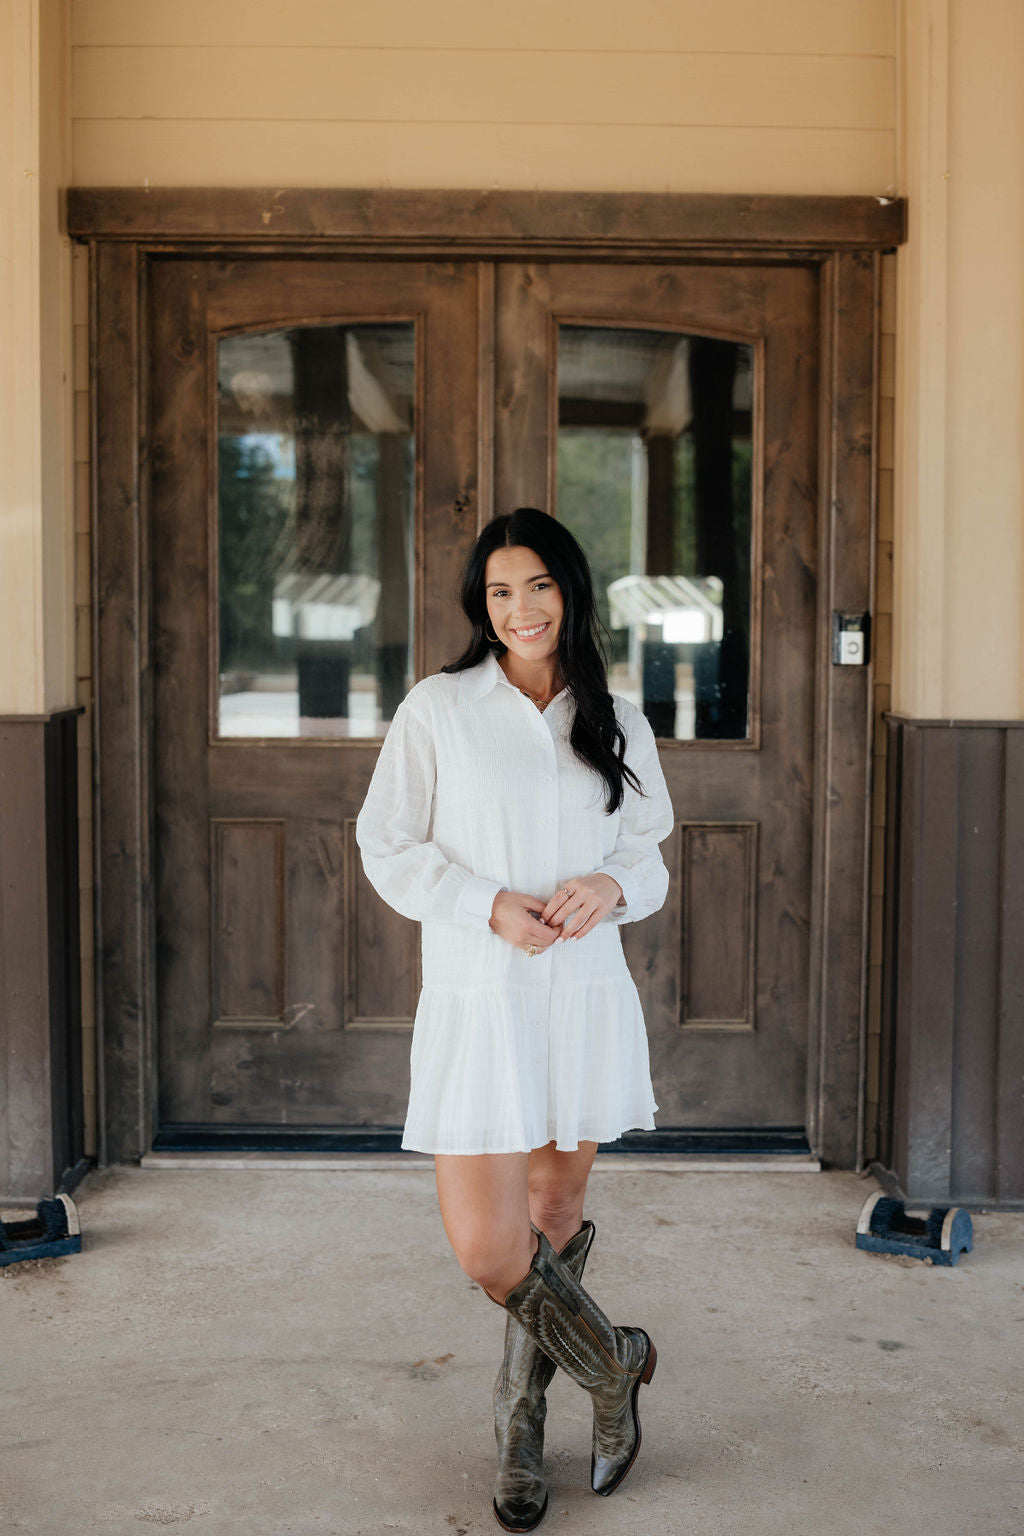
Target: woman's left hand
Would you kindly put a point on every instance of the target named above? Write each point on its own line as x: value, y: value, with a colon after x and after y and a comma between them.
x: 581, y: 904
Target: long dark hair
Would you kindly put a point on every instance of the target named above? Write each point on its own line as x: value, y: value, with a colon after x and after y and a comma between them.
x: 596, y: 737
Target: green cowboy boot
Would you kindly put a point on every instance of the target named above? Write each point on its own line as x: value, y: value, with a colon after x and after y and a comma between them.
x: 520, y: 1407
x: 608, y: 1362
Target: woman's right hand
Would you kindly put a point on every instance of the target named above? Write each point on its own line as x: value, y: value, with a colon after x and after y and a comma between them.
x: 513, y: 919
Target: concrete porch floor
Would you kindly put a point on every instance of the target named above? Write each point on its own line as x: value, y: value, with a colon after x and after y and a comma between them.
x: 280, y: 1352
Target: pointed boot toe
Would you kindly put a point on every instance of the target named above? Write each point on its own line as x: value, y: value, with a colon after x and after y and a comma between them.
x: 617, y: 1432
x: 522, y: 1511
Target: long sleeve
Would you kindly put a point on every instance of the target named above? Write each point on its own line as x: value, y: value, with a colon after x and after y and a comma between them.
x: 644, y: 822
x: 409, y: 871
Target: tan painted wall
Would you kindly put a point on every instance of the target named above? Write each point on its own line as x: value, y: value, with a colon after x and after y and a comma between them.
x: 959, y: 600
x: 36, y: 536
x: 660, y: 95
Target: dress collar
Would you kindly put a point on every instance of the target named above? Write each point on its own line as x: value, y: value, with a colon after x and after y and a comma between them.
x: 476, y: 682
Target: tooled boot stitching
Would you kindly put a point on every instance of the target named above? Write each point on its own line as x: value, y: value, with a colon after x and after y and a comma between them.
x: 520, y: 1408
x: 610, y: 1363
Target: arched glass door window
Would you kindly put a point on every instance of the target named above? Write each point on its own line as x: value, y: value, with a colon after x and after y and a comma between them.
x: 655, y: 478
x: 316, y: 498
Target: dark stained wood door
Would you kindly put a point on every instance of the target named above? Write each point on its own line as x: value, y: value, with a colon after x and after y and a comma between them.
x: 314, y: 435
x: 308, y: 517
x: 679, y: 404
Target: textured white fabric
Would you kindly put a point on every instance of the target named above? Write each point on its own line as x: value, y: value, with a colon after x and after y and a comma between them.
x: 475, y: 790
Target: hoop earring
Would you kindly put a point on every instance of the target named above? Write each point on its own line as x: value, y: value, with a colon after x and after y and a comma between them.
x: 491, y: 637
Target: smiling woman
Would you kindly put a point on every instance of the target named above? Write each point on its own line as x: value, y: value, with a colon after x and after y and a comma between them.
x: 516, y: 811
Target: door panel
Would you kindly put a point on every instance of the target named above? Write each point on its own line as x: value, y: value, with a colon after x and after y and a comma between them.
x: 295, y: 390
x: 723, y: 970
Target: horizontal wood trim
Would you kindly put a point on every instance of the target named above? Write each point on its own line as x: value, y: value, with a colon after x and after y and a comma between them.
x: 480, y: 222
x: 956, y: 725
x: 801, y: 26
x: 53, y: 714
x: 461, y: 85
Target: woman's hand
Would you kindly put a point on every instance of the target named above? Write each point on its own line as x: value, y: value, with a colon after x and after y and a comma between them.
x: 514, y: 919
x: 581, y: 904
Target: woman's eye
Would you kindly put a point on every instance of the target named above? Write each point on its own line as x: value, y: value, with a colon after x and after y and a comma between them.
x: 542, y: 586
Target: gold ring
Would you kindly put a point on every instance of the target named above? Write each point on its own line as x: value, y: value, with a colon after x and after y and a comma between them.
x: 565, y: 890
x: 532, y: 951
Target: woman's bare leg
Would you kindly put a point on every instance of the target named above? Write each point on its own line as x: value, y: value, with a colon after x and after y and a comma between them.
x: 485, y: 1208
x: 488, y: 1202
x: 558, y: 1186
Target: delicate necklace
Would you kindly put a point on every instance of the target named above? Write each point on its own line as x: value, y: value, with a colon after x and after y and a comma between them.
x: 541, y: 704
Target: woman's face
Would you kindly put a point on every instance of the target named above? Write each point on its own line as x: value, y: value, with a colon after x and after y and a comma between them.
x: 524, y: 603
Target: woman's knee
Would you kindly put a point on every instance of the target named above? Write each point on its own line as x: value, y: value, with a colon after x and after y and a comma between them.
x: 557, y: 1203
x: 493, y: 1260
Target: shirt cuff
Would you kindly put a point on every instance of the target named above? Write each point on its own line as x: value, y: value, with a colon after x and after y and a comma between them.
x: 475, y: 900
x: 619, y: 914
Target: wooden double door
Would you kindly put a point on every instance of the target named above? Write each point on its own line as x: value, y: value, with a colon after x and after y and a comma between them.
x: 324, y: 439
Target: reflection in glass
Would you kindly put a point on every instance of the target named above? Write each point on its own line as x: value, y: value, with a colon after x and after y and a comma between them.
x: 315, y: 481
x: 654, y: 479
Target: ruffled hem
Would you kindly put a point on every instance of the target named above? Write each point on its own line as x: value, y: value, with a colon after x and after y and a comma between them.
x: 510, y: 1069
x: 414, y: 1143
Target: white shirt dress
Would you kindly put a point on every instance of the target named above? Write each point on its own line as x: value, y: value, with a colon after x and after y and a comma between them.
x: 476, y: 790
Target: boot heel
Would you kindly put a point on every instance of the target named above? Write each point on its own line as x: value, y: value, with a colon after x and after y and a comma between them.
x: 652, y: 1360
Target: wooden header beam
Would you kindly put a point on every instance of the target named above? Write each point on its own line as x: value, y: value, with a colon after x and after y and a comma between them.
x: 484, y: 223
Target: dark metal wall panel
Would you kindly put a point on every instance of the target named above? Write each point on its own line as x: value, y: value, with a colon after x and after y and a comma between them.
x: 63, y: 901
x: 41, y: 1134
x: 1010, y: 1083
x: 953, y: 1064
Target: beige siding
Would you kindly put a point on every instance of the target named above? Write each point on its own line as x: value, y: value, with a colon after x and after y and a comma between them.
x: 959, y: 632
x: 659, y: 96
x: 741, y: 26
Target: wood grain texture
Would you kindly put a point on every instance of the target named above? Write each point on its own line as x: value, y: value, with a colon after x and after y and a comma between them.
x: 851, y: 312
x: 248, y: 921
x: 589, y: 223
x: 719, y: 884
x: 952, y: 1106
x: 382, y: 952
x: 1009, y: 1109
x: 120, y: 722
x: 41, y: 1111
x: 179, y: 466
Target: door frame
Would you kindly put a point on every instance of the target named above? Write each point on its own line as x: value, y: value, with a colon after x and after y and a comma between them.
x: 125, y: 228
